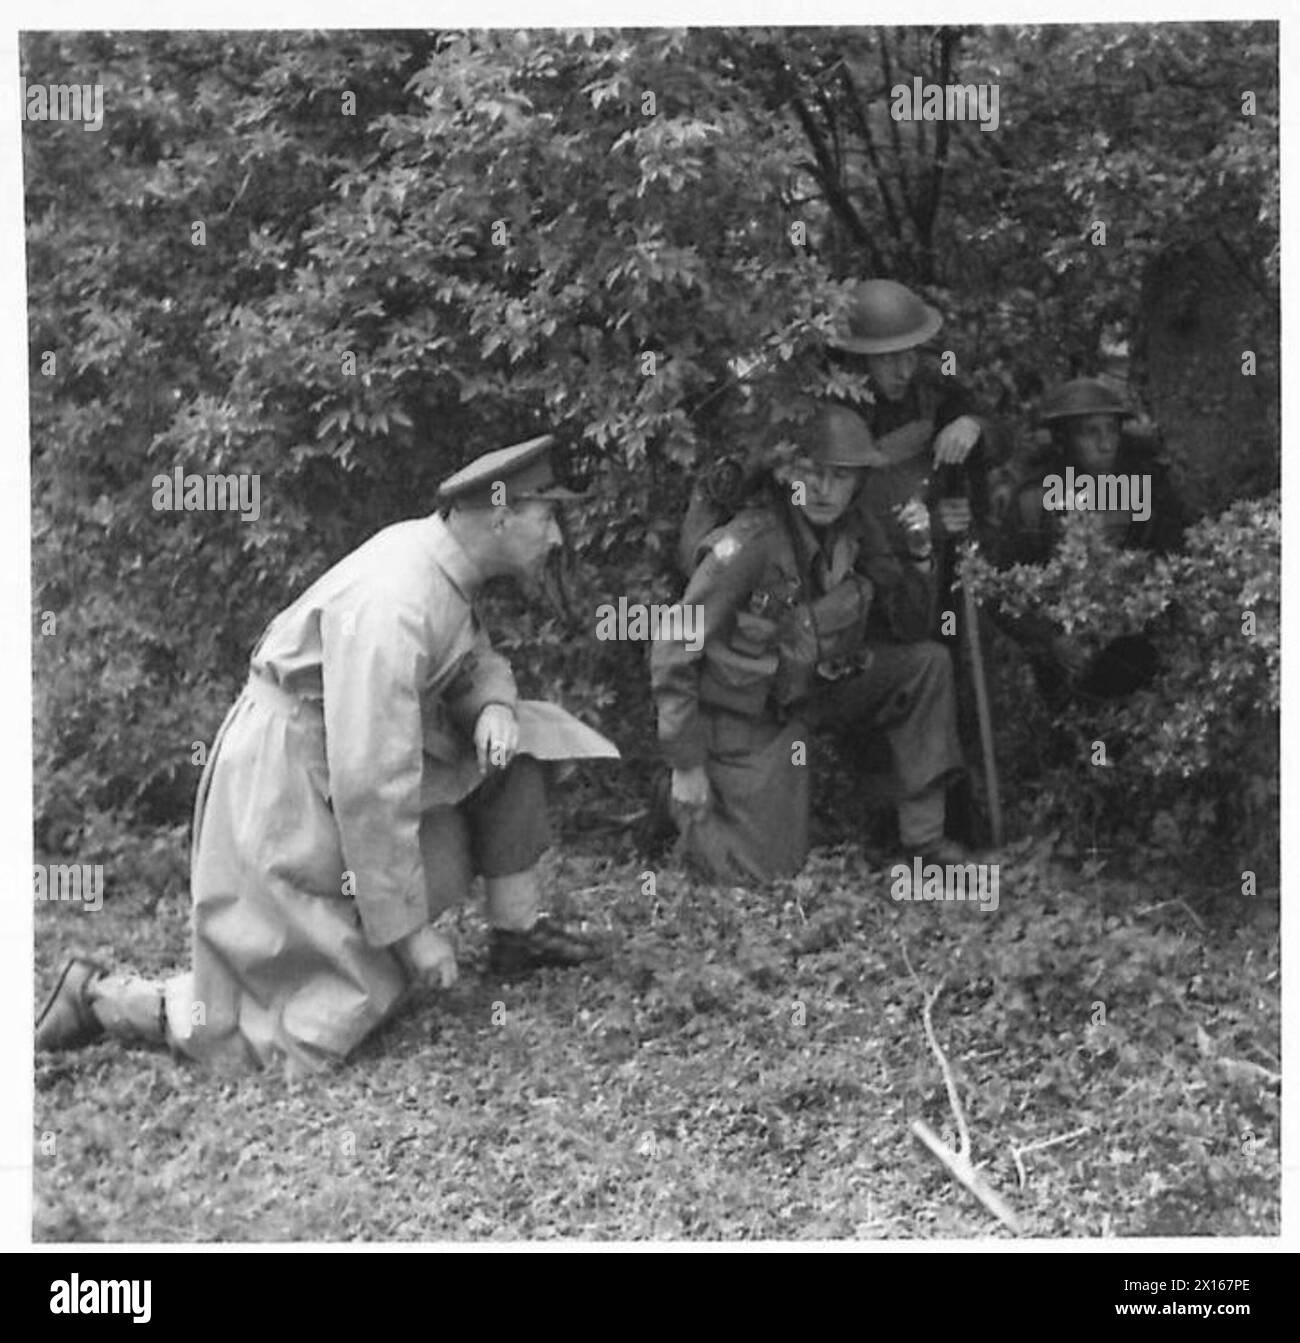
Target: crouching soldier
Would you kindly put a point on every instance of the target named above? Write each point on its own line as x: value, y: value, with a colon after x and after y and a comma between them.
x: 377, y: 760
x: 783, y: 594
x: 1090, y: 450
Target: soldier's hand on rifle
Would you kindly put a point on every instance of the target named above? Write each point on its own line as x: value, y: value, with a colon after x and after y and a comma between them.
x: 496, y: 737
x: 954, y: 515
x: 429, y: 958
x: 690, y: 790
x: 953, y: 443
x: 914, y: 519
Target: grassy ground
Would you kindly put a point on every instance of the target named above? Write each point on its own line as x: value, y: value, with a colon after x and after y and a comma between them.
x: 745, y: 1066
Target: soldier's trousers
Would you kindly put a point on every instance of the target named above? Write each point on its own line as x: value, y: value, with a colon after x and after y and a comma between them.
x: 757, y: 827
x: 907, y: 692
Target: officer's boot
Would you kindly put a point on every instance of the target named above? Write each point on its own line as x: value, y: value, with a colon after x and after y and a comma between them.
x: 66, y: 1020
x: 524, y: 939
x: 88, y: 1002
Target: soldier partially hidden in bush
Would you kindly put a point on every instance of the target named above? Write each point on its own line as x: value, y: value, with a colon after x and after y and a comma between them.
x: 1086, y: 418
x: 931, y: 445
x: 376, y: 761
x: 784, y: 592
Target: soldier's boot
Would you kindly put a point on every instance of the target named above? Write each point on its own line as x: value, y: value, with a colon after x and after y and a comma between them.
x: 920, y: 829
x: 88, y: 1002
x: 948, y: 851
x: 522, y: 938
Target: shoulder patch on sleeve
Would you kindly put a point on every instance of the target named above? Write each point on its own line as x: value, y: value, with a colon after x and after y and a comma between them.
x: 726, y: 548
x: 744, y: 529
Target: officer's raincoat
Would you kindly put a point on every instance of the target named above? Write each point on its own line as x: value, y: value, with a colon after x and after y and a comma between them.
x: 307, y: 863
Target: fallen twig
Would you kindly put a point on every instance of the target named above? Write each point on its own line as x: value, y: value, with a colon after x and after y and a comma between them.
x: 1182, y: 904
x: 960, y: 1168
x: 1044, y: 1143
x: 1041, y: 1146
x: 958, y: 1164
x: 954, y: 1101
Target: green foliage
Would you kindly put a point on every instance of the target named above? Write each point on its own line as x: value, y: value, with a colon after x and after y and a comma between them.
x: 1193, y: 758
x: 500, y: 237
x: 497, y: 238
x: 155, y: 613
x: 1139, y: 126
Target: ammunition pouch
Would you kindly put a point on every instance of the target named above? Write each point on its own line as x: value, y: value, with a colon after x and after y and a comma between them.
x: 827, y: 633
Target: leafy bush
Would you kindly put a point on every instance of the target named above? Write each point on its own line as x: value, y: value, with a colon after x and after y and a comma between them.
x: 1191, y: 760
x: 422, y: 245
x: 501, y: 240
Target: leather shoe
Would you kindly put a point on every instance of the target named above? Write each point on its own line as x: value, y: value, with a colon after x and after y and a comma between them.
x: 512, y: 953
x: 948, y: 851
x: 67, y: 1021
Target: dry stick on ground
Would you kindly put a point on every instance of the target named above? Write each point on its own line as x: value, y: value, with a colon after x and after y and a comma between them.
x: 1182, y: 904
x: 1041, y: 1146
x: 958, y: 1163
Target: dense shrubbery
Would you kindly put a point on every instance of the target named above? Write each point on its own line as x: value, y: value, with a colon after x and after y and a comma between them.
x: 1192, y: 760
x: 498, y: 236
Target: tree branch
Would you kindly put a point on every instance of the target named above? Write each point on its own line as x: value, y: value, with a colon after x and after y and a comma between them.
x: 895, y: 136
x: 835, y: 194
x: 824, y: 171
x: 859, y: 115
x: 942, y: 137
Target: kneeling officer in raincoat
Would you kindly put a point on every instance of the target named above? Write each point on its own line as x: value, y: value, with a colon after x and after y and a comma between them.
x: 377, y: 760
x: 783, y: 592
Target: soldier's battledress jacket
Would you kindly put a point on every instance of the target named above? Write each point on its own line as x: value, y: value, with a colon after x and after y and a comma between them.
x: 904, y: 432
x: 780, y: 614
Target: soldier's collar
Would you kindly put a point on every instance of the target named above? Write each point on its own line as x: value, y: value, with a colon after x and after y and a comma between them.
x: 826, y: 540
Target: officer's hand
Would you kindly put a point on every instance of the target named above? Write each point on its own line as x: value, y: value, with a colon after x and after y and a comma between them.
x: 429, y: 958
x: 954, y: 515
x: 1069, y: 656
x: 953, y: 443
x: 690, y: 790
x: 496, y: 737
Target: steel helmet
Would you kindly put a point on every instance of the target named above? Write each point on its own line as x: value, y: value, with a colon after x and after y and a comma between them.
x: 1082, y: 396
x: 884, y: 316
x: 836, y: 436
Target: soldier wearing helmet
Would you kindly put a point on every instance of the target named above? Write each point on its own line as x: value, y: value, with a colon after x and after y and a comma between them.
x: 784, y: 592
x: 1088, y: 421
x: 931, y: 445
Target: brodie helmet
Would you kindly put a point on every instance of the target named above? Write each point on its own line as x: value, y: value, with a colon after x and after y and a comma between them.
x: 836, y: 436
x: 1082, y: 396
x: 885, y: 316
